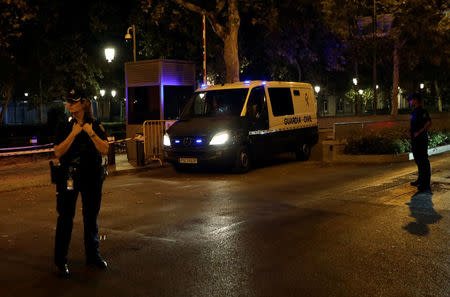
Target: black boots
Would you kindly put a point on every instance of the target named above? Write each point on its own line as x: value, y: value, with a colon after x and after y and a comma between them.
x: 97, y: 261
x: 62, y: 270
x: 415, y: 183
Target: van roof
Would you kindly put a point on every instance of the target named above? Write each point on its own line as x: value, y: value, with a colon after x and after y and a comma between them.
x: 254, y: 83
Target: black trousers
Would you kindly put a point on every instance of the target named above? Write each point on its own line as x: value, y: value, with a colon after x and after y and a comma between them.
x: 90, y: 188
x: 420, y: 152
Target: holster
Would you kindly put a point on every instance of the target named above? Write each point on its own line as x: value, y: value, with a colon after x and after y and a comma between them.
x: 103, y: 172
x: 58, y: 174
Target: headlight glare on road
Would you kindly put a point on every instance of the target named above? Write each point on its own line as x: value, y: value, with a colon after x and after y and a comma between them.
x: 220, y: 138
x: 166, y: 140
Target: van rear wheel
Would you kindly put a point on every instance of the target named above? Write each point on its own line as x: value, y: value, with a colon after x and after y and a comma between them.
x: 303, y: 152
x: 242, y: 162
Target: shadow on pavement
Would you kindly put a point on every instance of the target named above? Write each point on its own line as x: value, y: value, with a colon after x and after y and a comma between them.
x: 422, y: 209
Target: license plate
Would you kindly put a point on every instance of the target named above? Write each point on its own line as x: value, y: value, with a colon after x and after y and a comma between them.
x: 188, y: 160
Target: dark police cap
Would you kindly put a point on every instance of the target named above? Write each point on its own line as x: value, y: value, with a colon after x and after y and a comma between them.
x: 415, y: 96
x: 76, y: 95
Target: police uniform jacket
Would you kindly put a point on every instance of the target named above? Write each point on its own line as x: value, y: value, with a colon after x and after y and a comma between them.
x: 419, y: 117
x: 82, y: 154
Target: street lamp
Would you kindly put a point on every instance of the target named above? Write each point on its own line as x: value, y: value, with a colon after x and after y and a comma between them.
x: 102, y: 93
x: 109, y: 54
x: 422, y: 86
x: 113, y: 93
x: 360, y: 92
x: 355, y: 81
x: 128, y: 37
x: 26, y: 94
x: 317, y: 89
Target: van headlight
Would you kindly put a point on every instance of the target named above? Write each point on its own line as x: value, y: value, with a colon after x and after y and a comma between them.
x: 220, y: 138
x: 166, y: 140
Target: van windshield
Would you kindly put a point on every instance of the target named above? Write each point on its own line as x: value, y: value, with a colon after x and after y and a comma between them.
x: 216, y: 103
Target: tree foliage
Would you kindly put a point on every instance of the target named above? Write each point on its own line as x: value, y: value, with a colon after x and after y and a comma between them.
x: 13, y: 15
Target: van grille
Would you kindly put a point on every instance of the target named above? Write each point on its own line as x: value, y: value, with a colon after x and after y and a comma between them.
x: 188, y: 141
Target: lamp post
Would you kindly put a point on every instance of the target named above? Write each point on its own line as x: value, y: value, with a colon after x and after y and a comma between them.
x: 355, y: 84
x: 128, y: 36
x: 360, y: 101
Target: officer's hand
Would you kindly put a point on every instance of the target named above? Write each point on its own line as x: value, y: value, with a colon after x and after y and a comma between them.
x: 76, y: 129
x: 88, y: 128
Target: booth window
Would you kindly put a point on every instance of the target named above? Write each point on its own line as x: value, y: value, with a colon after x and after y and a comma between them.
x: 143, y: 104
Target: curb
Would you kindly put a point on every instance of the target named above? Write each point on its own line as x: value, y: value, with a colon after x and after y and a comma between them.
x: 113, y: 172
x: 335, y: 153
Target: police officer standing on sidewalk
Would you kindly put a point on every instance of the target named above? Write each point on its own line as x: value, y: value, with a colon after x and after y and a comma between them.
x: 80, y: 143
x: 420, y: 122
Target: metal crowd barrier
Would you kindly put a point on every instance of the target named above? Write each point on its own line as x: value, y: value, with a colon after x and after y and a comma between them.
x: 153, y: 139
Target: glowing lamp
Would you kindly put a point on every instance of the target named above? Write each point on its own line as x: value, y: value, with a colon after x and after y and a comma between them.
x: 109, y: 54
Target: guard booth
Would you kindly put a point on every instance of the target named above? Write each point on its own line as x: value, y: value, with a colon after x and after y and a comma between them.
x: 155, y: 90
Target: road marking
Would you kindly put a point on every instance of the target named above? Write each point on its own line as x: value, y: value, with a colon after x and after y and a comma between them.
x: 124, y: 185
x: 140, y: 235
x: 159, y: 238
x: 226, y: 228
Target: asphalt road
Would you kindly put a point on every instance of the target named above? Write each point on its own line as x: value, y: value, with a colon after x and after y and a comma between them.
x: 285, y: 229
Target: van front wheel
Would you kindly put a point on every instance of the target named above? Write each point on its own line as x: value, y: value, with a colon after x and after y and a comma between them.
x: 303, y: 152
x: 242, y: 163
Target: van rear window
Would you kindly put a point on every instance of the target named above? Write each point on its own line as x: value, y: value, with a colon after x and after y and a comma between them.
x: 281, y: 101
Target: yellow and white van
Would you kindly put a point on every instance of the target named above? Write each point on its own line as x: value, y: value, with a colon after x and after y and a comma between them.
x: 240, y: 123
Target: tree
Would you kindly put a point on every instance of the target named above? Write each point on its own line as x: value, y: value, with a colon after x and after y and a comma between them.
x: 341, y: 17
x: 57, y: 55
x: 414, y: 22
x: 13, y: 15
x: 225, y: 20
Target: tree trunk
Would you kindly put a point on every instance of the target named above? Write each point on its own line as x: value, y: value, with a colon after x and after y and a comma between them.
x: 374, y: 70
x: 374, y: 78
x: 9, y: 92
x: 395, y: 80
x: 41, y: 104
x: 299, y: 70
x: 357, y: 95
x: 231, y: 55
x: 228, y: 33
x: 438, y: 94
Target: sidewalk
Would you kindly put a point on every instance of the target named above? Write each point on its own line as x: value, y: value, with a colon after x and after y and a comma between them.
x: 20, y: 173
x: 123, y: 166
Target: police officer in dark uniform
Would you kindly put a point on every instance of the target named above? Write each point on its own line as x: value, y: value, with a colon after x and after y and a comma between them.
x: 420, y: 122
x: 80, y: 143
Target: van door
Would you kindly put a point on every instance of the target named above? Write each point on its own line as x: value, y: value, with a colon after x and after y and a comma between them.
x: 258, y: 121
